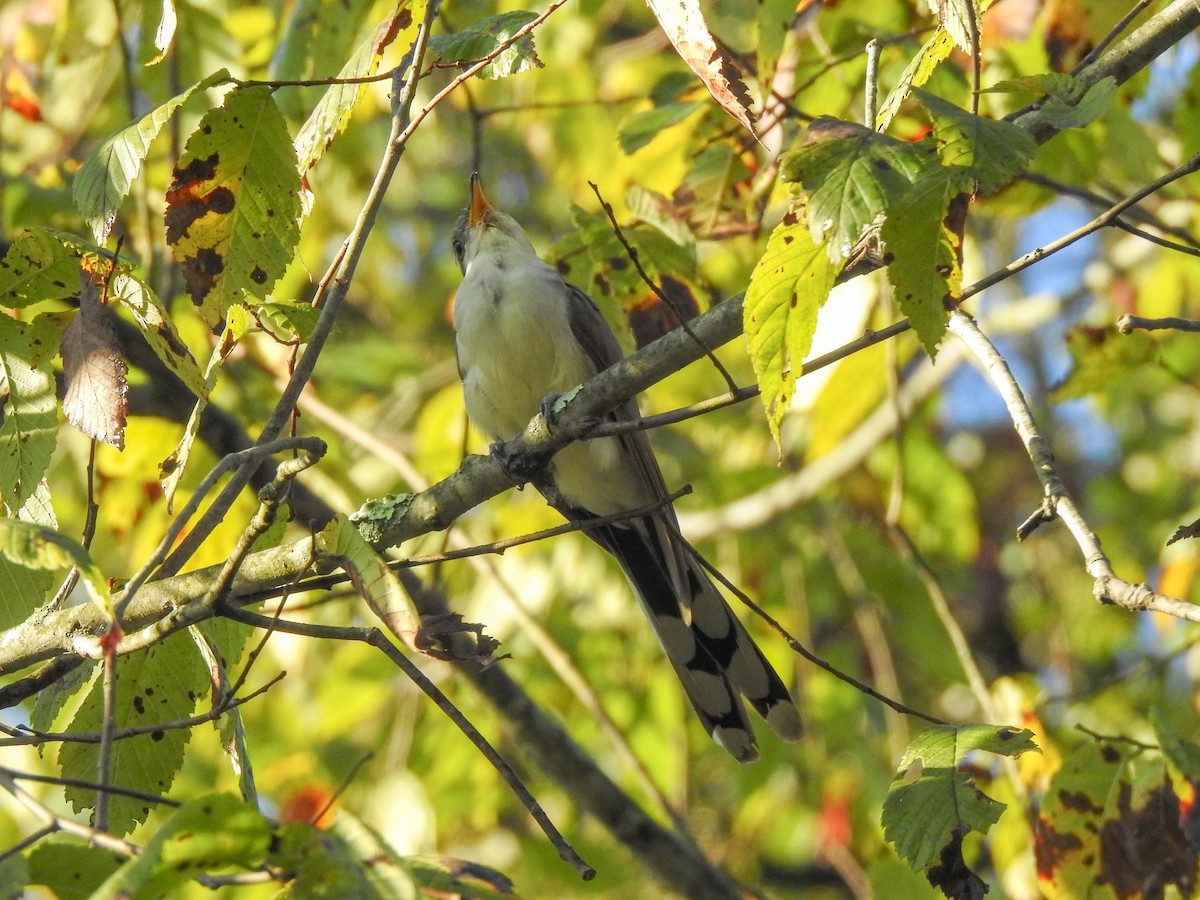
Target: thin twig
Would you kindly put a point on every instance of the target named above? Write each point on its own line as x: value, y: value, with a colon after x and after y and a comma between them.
x: 1155, y: 239
x: 1127, y: 324
x: 108, y: 726
x: 23, y: 735
x: 375, y: 638
x: 230, y: 462
x: 871, y: 91
x: 634, y: 258
x: 1107, y: 587
x: 1105, y: 42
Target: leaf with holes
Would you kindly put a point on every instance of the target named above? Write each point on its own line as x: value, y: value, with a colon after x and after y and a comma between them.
x: 852, y: 176
x: 480, y: 39
x: 109, y: 171
x: 932, y: 803
x: 789, y: 285
x: 233, y: 207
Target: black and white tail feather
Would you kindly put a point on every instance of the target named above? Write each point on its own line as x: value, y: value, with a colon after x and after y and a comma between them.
x: 522, y: 334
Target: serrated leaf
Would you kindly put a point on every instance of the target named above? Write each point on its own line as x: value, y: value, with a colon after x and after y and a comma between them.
x: 204, y: 835
x: 372, y: 579
x: 233, y: 207
x: 852, y: 176
x: 481, y: 38
x: 920, y: 69
x: 28, y: 405
x: 331, y: 115
x: 960, y: 18
x: 992, y: 151
x: 924, y: 264
x: 683, y: 22
x: 386, y: 871
x: 321, y: 863
x: 931, y: 802
x: 288, y: 320
x: 94, y: 371
x: 105, y: 177
x: 787, y: 288
x: 37, y: 267
x: 640, y: 128
x: 157, y: 327
x: 157, y: 686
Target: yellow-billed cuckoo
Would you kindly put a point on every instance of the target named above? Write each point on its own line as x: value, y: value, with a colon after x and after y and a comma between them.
x: 524, y: 334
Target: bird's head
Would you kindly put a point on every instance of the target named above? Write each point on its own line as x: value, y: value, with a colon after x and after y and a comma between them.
x: 482, y: 228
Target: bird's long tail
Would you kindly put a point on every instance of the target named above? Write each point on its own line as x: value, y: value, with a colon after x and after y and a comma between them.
x: 715, y: 658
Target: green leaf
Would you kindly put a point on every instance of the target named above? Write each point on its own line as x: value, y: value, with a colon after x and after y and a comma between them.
x: 233, y: 207
x: 932, y: 802
x: 106, y: 176
x: 924, y: 263
x: 481, y: 38
x: 157, y: 686
x: 993, y: 152
x: 640, y: 128
x: 323, y: 865
x: 709, y: 197
x: 237, y: 324
x: 156, y: 326
x: 920, y: 69
x: 40, y: 547
x: 371, y: 577
x: 42, y: 264
x: 1064, y: 112
x: 208, y: 833
x: 852, y: 176
x: 331, y: 115
x: 28, y: 404
x: 71, y: 870
x: 789, y: 285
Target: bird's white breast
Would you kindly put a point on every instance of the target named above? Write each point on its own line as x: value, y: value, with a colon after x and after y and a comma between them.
x: 515, y: 343
x: 515, y: 346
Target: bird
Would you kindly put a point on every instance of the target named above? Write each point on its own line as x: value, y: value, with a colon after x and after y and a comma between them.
x: 524, y: 336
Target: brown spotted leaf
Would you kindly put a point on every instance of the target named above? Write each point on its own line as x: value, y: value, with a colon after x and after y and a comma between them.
x: 233, y: 207
x: 684, y: 24
x: 94, y: 371
x: 1112, y: 818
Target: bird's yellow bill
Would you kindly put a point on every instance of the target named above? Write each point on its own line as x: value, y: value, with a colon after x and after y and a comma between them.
x: 479, y: 203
